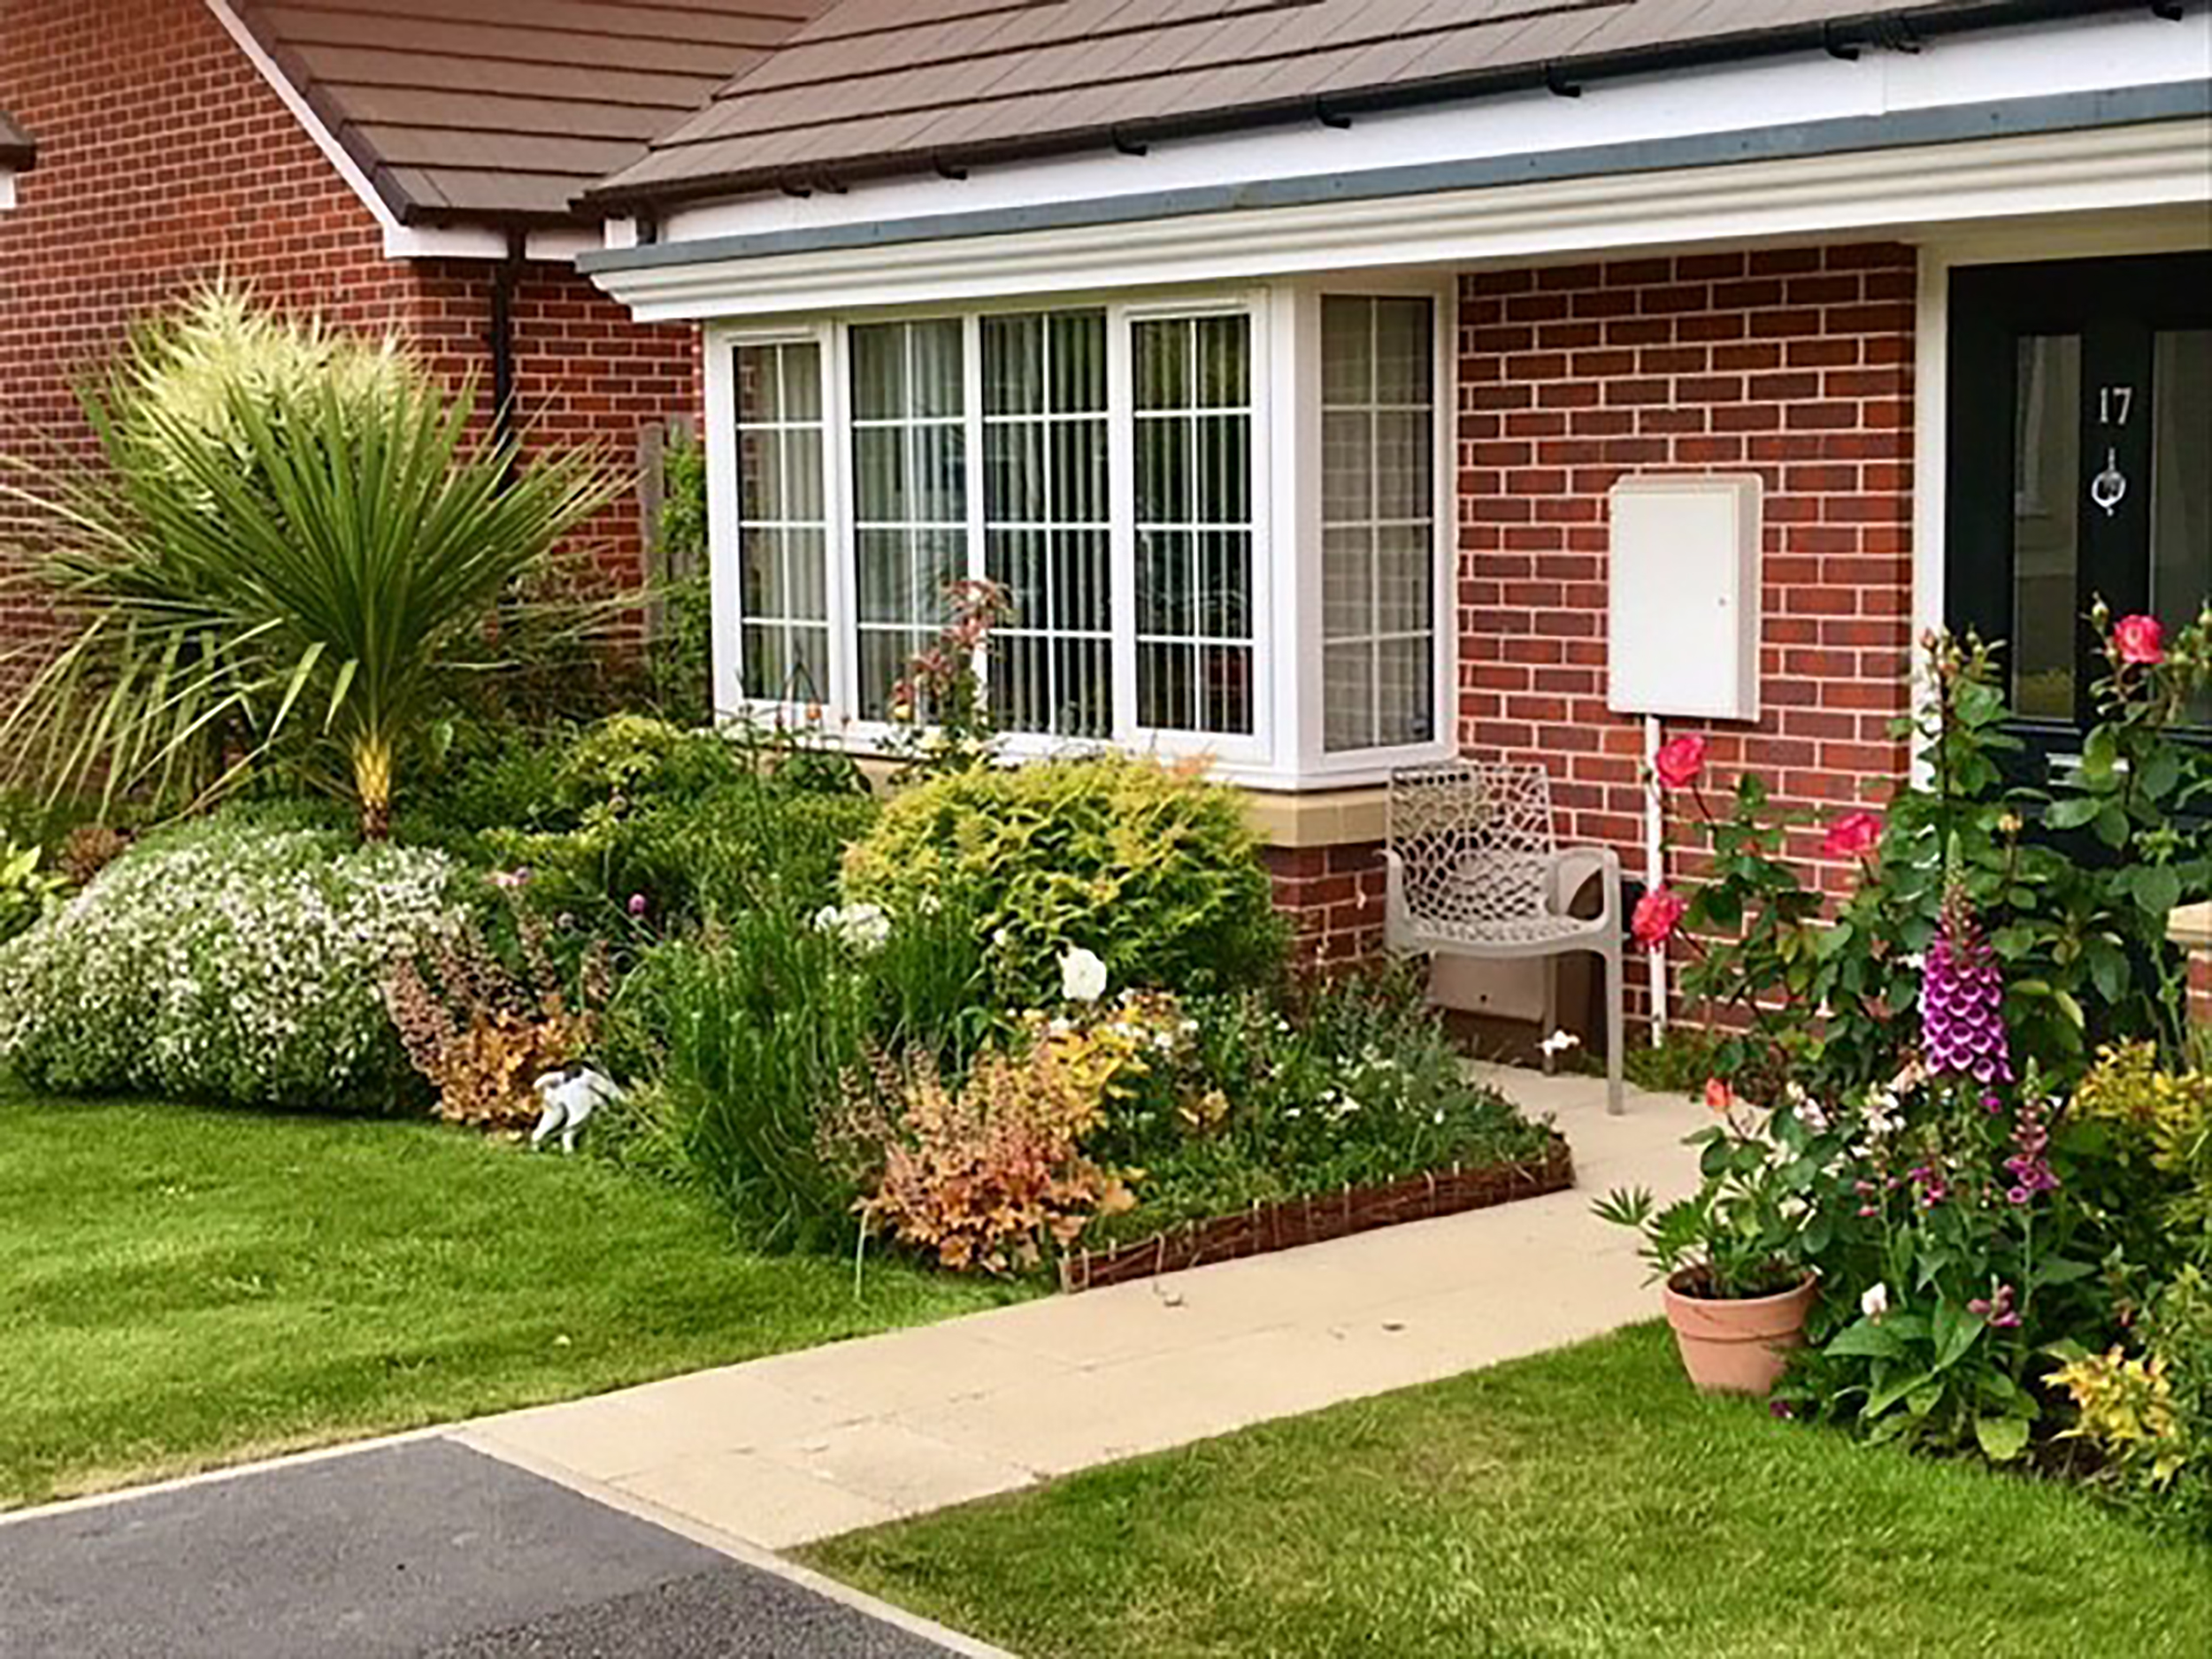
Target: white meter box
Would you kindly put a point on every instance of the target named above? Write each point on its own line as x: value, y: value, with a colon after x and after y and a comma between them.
x: 1682, y: 637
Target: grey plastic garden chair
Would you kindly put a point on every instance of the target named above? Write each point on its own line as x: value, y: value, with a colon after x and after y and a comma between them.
x: 1474, y: 869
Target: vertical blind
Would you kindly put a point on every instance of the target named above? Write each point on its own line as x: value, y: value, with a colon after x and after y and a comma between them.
x: 910, y: 495
x: 1047, y: 522
x: 983, y: 446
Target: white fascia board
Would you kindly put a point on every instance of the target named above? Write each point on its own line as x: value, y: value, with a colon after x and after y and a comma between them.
x: 1900, y: 191
x: 7, y: 189
x: 559, y: 245
x: 2087, y: 56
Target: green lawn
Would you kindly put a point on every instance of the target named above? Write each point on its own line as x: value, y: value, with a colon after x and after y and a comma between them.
x: 180, y: 1288
x: 1583, y: 1503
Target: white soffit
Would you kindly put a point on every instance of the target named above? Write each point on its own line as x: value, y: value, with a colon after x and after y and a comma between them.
x: 1896, y: 191
x: 2084, y: 56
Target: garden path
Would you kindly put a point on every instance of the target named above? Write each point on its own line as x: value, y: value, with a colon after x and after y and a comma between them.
x: 784, y: 1450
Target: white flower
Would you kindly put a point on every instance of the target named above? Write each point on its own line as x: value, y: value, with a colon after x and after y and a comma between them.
x: 864, y: 927
x: 1559, y: 1042
x: 1082, y: 975
x: 1875, y: 1303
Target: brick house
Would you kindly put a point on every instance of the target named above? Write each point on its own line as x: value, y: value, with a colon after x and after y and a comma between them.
x: 1337, y: 385
x: 394, y: 166
x: 1291, y: 365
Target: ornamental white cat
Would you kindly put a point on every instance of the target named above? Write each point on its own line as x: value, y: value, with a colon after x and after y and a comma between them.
x: 570, y: 1096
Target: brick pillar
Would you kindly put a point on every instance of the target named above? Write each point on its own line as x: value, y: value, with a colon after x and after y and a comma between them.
x: 2191, y: 929
x: 1334, y: 898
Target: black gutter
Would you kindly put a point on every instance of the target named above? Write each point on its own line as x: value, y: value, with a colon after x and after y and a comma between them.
x: 501, y: 339
x: 1897, y: 30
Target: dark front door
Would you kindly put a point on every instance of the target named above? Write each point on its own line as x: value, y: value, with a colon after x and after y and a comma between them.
x: 2080, y: 445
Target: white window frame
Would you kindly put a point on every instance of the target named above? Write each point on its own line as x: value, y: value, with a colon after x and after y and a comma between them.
x: 1313, y: 761
x: 1284, y: 748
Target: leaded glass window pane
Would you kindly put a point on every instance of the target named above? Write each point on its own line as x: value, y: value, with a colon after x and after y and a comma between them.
x: 1378, y: 522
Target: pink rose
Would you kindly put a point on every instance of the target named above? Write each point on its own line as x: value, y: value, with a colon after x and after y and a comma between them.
x: 1658, y: 913
x: 1679, y: 763
x: 1852, y: 835
x: 2140, y: 641
x: 1718, y: 1096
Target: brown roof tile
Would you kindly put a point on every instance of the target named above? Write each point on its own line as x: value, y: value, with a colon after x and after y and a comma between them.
x: 507, y: 109
x: 882, y: 86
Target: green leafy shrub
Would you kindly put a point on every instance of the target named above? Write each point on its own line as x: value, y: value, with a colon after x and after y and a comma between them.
x: 680, y: 663
x: 2149, y: 1413
x: 1153, y: 869
x: 27, y: 888
x: 671, y: 863
x: 745, y: 1034
x: 238, y: 960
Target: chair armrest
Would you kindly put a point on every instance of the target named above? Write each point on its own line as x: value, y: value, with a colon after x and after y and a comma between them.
x: 1571, y: 868
x: 1394, y: 917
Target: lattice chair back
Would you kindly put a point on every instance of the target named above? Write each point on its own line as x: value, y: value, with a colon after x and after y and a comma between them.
x: 1478, y: 843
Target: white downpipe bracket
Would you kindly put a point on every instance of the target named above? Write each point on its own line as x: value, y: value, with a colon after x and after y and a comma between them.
x: 1655, y: 869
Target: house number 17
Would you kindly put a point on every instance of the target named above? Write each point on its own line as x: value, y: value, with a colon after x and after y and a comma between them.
x: 2109, y: 487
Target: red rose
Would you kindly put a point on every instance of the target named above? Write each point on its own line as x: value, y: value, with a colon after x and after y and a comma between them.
x: 2140, y: 641
x: 1852, y: 835
x: 1679, y: 763
x: 1718, y: 1096
x: 1658, y: 913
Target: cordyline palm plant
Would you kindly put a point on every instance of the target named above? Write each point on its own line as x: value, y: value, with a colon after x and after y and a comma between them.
x: 294, y: 535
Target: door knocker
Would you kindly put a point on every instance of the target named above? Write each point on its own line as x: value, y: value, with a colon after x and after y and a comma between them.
x: 2109, y: 487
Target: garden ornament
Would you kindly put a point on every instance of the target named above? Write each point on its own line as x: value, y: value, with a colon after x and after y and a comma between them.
x: 570, y: 1096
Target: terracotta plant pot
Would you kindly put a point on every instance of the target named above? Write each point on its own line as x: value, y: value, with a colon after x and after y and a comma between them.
x: 1737, y: 1347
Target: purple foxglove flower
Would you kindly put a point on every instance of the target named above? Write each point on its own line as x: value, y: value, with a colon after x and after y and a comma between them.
x: 1961, y: 1005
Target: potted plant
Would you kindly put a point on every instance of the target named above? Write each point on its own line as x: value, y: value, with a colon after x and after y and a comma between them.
x: 1737, y: 1290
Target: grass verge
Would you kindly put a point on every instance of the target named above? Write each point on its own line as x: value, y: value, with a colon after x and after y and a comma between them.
x: 1583, y: 1503
x: 183, y: 1288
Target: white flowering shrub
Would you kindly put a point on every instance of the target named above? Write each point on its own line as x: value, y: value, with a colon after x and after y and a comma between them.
x: 234, y: 961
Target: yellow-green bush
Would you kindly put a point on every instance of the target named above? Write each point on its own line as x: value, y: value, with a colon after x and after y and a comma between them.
x: 1153, y: 869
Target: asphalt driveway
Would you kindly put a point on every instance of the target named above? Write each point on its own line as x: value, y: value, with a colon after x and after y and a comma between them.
x: 423, y: 1547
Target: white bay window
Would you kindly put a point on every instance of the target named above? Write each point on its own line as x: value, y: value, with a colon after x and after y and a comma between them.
x: 1220, y: 523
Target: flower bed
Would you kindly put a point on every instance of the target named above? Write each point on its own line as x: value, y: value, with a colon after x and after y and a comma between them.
x: 1286, y: 1224
x: 1966, y: 1099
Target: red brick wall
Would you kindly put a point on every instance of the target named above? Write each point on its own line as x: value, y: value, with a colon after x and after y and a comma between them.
x: 165, y: 159
x: 584, y: 372
x: 1796, y: 364
x: 1333, y: 896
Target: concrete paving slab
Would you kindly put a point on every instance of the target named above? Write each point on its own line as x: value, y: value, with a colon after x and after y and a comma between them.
x: 752, y: 1497
x: 923, y: 1418
x: 422, y: 1547
x: 638, y: 1429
